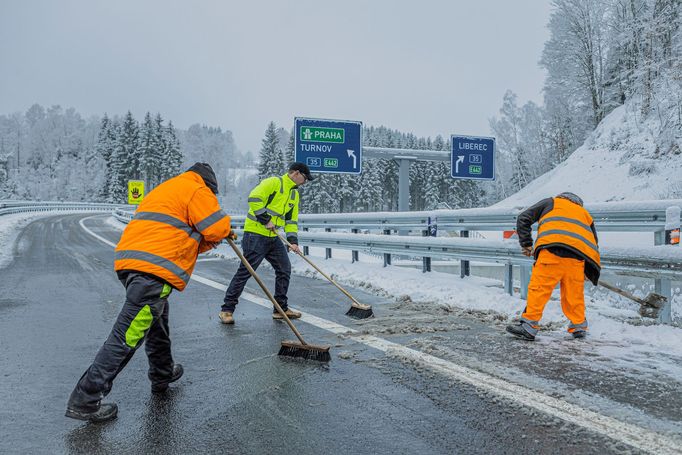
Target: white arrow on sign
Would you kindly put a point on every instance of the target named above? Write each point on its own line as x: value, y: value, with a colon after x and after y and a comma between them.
x: 460, y: 159
x: 355, y: 159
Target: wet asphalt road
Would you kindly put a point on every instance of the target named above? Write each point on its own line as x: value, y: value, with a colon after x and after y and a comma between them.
x: 60, y: 296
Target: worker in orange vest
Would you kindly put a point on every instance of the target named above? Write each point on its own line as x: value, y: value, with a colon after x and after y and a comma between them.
x: 566, y: 250
x: 157, y: 252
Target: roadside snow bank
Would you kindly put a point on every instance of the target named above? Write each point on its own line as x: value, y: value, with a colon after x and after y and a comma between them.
x: 10, y: 228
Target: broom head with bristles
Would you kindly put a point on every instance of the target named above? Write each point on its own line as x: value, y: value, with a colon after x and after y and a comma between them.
x: 305, y: 351
x: 360, y: 311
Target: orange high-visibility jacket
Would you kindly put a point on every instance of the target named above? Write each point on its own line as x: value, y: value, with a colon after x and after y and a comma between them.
x: 562, y: 225
x: 173, y: 224
x: 568, y: 224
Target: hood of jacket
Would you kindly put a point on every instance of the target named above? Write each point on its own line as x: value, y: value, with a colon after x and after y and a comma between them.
x: 206, y: 173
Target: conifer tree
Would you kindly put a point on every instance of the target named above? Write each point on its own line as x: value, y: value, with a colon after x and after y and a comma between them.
x: 148, y: 154
x: 106, y: 141
x: 171, y: 160
x: 159, y: 147
x: 124, y: 162
x: 290, y: 153
x: 271, y: 158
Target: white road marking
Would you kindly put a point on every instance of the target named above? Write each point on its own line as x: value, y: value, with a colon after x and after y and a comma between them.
x: 632, y: 435
x: 100, y: 238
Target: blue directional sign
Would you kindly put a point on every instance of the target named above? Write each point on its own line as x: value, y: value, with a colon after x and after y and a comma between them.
x: 331, y: 146
x: 472, y: 158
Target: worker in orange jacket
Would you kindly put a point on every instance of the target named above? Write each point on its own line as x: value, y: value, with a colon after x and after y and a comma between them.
x: 157, y: 252
x: 566, y: 250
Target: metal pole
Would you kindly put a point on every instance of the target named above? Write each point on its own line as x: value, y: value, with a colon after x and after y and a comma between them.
x: 403, y: 184
x: 662, y: 286
x: 327, y: 251
x: 431, y: 231
x: 306, y: 251
x: 387, y: 256
x: 509, y: 279
x: 524, y: 276
x: 426, y: 261
x: 354, y: 253
x: 464, y: 265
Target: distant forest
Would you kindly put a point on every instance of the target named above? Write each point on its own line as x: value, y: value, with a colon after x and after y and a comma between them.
x: 55, y: 154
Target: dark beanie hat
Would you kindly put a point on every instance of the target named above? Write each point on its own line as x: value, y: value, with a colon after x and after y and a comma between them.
x: 206, y: 173
x: 571, y: 197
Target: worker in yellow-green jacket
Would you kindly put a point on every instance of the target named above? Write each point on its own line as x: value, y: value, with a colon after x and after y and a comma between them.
x: 273, y: 204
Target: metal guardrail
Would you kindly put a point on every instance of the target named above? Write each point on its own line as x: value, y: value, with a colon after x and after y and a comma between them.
x: 642, y: 216
x: 653, y: 262
x: 11, y: 207
x: 661, y: 263
x: 122, y: 215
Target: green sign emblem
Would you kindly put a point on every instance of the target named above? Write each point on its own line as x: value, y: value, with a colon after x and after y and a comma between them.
x: 316, y: 134
x: 473, y: 169
x: 331, y: 162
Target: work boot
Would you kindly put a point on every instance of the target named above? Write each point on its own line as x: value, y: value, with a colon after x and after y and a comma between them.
x: 226, y: 317
x: 579, y: 333
x: 99, y: 413
x: 160, y: 387
x: 519, y: 331
x: 289, y: 312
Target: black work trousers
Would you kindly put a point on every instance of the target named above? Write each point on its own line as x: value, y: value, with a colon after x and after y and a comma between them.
x: 257, y: 247
x: 143, y: 319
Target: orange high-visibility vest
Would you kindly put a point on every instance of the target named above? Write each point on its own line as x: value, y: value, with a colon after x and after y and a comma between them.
x: 173, y: 224
x: 568, y: 224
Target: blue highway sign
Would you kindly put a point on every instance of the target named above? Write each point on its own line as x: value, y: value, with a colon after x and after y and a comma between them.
x: 332, y: 146
x: 472, y: 157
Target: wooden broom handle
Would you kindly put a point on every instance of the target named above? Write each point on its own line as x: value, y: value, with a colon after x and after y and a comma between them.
x: 621, y: 292
x: 286, y: 242
x: 265, y: 289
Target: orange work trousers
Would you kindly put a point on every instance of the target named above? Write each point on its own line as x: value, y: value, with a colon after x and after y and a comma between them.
x: 550, y: 269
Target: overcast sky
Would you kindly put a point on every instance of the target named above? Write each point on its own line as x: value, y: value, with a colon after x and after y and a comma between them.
x: 420, y: 66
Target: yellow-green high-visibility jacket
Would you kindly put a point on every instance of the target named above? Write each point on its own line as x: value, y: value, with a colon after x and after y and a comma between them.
x: 274, y: 199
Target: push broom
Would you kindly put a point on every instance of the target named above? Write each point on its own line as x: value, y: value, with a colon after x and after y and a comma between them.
x: 357, y: 310
x: 289, y: 348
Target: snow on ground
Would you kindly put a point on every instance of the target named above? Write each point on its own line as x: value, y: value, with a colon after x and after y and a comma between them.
x: 615, y: 164
x: 10, y: 228
x: 617, y: 331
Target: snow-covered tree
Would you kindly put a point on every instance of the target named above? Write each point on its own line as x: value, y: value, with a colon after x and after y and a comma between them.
x: 148, y: 153
x: 290, y: 152
x: 124, y: 160
x: 271, y: 159
x: 171, y: 158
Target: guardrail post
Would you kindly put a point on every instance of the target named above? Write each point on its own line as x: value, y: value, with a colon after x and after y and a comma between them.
x: 464, y: 265
x: 327, y: 251
x: 306, y: 250
x: 387, y: 256
x: 404, y: 185
x: 509, y: 279
x: 525, y: 272
x: 431, y: 231
x: 354, y: 253
x: 662, y: 286
x: 426, y: 261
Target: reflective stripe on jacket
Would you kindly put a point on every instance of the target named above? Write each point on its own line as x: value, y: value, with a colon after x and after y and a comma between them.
x: 173, y: 224
x: 274, y: 199
x: 569, y: 225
